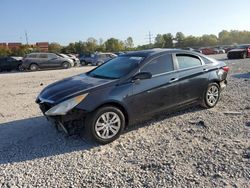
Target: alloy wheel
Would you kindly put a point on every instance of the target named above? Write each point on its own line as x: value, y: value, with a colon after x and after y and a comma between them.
x: 212, y: 95
x: 108, y: 125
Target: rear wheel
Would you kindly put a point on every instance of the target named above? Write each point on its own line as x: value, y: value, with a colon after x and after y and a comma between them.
x: 105, y: 124
x: 33, y: 67
x: 211, y: 96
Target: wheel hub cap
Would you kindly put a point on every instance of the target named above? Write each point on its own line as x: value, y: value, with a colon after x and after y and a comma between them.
x: 108, y: 125
x: 212, y: 95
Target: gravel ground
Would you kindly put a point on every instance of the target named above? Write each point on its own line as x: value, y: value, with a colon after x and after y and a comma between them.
x: 190, y: 148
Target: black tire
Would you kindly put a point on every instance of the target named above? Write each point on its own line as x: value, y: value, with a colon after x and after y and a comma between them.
x: 66, y: 65
x: 33, y: 67
x: 20, y: 68
x: 84, y: 63
x: 244, y: 55
x: 90, y: 127
x: 206, y: 101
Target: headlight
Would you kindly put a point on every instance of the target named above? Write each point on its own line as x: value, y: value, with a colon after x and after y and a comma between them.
x: 65, y: 106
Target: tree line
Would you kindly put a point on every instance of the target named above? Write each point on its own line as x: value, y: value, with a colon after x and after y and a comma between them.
x: 179, y: 40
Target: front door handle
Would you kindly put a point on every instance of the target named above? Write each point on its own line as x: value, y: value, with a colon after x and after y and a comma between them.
x: 173, y: 80
x: 205, y: 70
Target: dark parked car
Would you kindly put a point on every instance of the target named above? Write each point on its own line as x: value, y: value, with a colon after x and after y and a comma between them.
x: 35, y: 61
x: 242, y: 51
x: 86, y: 59
x: 96, y: 59
x: 101, y: 58
x: 131, y: 87
x: 10, y: 63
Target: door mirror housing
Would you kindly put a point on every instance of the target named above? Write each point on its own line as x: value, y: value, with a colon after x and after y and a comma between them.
x: 142, y: 76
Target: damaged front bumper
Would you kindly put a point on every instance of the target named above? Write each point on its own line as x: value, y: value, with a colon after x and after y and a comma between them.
x: 71, y: 123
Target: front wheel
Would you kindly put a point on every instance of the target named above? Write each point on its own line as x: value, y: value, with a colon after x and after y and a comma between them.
x: 83, y: 63
x: 20, y: 68
x: 66, y: 65
x: 33, y: 67
x: 105, y: 124
x: 211, y: 96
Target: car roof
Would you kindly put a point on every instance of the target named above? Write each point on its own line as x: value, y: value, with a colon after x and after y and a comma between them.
x: 152, y: 52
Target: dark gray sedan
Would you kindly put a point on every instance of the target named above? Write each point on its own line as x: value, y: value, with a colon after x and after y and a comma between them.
x: 130, y: 88
x: 35, y: 61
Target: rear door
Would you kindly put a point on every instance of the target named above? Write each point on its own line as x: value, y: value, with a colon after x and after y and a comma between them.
x: 43, y: 60
x: 158, y: 93
x: 193, y: 77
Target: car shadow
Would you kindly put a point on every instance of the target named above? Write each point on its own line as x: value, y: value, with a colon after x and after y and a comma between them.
x: 34, y: 138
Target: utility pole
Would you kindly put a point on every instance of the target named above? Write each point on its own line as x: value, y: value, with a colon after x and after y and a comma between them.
x: 26, y: 37
x: 150, y: 38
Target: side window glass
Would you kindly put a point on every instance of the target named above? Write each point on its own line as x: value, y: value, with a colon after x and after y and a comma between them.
x: 159, y: 65
x: 52, y: 56
x: 9, y: 59
x: 206, y: 61
x: 44, y: 56
x: 32, y: 56
x: 187, y: 61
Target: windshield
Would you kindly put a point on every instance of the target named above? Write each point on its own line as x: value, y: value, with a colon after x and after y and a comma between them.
x: 116, y: 68
x: 63, y: 55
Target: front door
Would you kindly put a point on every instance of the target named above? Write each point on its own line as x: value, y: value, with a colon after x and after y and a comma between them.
x: 158, y: 93
x: 54, y: 61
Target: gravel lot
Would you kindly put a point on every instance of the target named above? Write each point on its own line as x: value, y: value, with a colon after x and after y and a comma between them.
x: 190, y: 148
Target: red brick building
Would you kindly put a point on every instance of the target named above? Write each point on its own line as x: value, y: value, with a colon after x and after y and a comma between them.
x: 3, y: 44
x: 43, y: 46
x: 13, y: 45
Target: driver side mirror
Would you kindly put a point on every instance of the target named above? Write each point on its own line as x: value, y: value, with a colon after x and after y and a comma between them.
x: 142, y: 76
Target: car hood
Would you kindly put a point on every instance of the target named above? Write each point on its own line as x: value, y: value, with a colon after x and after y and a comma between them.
x: 71, y: 87
x: 237, y: 50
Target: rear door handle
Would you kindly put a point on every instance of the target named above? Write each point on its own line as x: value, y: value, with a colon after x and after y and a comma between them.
x: 173, y: 80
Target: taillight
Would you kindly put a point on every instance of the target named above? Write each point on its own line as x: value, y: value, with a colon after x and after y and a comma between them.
x: 226, y: 68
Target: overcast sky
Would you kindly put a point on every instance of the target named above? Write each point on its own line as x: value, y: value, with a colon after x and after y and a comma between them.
x: 67, y: 21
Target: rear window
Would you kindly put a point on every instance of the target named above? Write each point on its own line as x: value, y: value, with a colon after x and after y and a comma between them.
x: 187, y: 61
x: 208, y: 60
